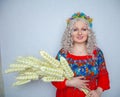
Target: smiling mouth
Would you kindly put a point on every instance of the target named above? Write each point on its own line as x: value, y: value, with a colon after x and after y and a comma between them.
x: 80, y: 37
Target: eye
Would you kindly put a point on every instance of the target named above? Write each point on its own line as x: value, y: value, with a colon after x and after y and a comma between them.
x: 84, y: 29
x: 75, y: 29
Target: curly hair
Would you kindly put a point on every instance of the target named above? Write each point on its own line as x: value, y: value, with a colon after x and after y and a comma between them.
x: 67, y: 42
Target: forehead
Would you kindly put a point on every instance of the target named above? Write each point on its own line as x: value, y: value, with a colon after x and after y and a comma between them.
x: 80, y: 24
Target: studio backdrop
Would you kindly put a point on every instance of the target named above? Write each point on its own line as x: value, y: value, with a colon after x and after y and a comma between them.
x: 28, y: 26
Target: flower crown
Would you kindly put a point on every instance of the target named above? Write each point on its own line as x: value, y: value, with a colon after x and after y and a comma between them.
x: 80, y: 15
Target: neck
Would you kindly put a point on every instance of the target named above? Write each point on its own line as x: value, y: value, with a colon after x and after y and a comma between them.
x: 79, y: 49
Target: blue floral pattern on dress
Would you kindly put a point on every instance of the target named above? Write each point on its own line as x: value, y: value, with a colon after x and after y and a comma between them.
x: 89, y: 66
x: 84, y: 70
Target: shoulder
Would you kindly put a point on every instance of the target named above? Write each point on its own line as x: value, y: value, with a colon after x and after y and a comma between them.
x: 62, y: 52
x: 97, y: 51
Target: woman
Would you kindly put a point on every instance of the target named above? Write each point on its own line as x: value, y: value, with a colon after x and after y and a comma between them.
x: 85, y: 59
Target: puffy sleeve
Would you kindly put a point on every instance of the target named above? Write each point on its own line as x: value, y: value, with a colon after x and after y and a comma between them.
x: 60, y: 84
x: 103, y: 76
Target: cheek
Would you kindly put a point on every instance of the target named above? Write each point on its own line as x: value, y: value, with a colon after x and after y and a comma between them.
x: 86, y: 37
x: 73, y: 35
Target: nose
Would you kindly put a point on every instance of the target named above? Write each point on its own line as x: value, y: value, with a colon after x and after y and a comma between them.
x: 80, y: 32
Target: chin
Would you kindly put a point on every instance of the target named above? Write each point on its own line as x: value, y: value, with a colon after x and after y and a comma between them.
x: 81, y: 41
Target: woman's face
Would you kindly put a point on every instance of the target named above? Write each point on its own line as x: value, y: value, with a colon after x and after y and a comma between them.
x: 80, y: 32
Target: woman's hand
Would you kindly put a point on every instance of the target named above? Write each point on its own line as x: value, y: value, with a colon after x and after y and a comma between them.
x: 77, y: 82
x: 95, y: 93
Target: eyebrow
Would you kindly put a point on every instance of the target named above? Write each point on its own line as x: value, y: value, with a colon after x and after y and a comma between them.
x: 81, y: 27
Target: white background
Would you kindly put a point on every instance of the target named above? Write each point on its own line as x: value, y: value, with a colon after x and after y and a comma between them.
x: 27, y: 26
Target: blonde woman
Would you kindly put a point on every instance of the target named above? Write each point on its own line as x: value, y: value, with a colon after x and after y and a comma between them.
x: 85, y: 59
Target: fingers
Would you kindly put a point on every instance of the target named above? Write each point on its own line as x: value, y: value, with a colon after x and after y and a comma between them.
x: 87, y: 88
x: 89, y: 94
x: 92, y: 94
x: 81, y: 77
x: 85, y: 81
x: 84, y: 87
x: 79, y: 82
x: 82, y: 82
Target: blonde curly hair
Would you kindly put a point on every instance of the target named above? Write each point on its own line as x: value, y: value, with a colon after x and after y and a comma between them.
x: 67, y: 42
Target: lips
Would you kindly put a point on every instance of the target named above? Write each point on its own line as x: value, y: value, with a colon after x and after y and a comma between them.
x: 80, y: 37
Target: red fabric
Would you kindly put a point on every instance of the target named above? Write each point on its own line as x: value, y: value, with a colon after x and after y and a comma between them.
x: 59, y: 85
x: 101, y: 80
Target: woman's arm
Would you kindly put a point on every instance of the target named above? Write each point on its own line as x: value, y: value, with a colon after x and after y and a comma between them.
x: 103, y: 76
